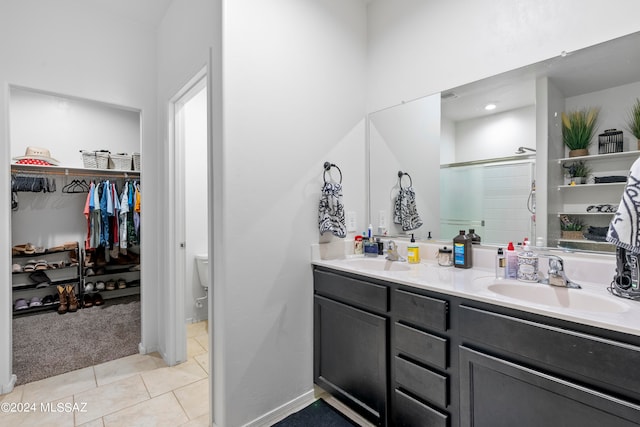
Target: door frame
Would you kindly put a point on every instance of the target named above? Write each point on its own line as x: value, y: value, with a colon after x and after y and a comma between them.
x: 176, y: 245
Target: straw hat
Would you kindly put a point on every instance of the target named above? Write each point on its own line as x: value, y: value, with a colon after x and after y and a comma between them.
x: 37, y: 153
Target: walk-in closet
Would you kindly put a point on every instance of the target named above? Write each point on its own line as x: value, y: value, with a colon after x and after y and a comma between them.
x: 76, y: 227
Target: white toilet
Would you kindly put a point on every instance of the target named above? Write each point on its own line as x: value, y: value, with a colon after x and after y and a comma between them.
x: 202, y: 264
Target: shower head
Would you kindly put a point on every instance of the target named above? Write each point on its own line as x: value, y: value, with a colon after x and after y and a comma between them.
x: 521, y: 150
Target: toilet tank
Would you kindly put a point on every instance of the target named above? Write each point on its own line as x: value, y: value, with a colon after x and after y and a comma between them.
x: 202, y: 265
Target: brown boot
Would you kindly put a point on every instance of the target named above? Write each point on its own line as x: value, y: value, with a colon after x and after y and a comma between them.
x: 63, y: 307
x: 73, y: 301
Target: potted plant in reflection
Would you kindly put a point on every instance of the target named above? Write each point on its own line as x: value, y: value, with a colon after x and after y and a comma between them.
x: 579, y: 172
x: 578, y: 129
x: 571, y: 227
x: 633, y: 121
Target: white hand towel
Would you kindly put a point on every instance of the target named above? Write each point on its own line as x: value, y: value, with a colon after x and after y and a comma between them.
x: 624, y: 230
x: 331, y: 210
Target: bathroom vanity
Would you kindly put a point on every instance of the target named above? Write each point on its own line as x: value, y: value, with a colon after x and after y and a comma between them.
x: 422, y: 345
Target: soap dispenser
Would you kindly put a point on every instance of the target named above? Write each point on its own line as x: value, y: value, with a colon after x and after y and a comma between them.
x: 413, y: 252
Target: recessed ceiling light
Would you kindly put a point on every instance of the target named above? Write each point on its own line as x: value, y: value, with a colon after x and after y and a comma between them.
x: 490, y: 107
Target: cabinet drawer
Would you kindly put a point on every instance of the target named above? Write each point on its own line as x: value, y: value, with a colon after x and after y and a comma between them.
x: 424, y: 347
x: 422, y: 382
x: 350, y: 290
x: 556, y: 349
x: 421, y: 310
x: 409, y: 412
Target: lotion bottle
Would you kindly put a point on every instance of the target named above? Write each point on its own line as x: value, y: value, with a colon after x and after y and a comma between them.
x: 512, y: 262
x: 413, y: 252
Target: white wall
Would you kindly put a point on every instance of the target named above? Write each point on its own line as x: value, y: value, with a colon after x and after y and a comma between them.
x: 417, y: 125
x: 66, y: 47
x: 615, y: 104
x: 195, y: 192
x: 294, y: 98
x: 420, y: 47
x: 495, y: 135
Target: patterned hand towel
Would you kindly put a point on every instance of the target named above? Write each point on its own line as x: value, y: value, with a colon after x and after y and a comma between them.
x: 624, y: 230
x: 405, y: 212
x: 331, y: 211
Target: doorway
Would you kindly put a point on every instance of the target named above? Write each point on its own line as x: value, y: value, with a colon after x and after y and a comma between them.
x: 190, y: 225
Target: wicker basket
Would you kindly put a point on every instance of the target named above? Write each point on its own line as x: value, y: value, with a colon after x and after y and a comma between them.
x: 89, y: 159
x: 136, y: 161
x: 102, y: 159
x: 120, y: 161
x: 572, y: 235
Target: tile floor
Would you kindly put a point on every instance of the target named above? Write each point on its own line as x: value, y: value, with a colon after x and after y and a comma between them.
x: 138, y: 390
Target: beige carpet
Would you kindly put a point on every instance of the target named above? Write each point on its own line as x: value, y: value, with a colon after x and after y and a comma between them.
x: 49, y: 344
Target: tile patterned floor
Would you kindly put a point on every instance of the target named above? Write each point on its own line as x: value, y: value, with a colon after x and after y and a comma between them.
x: 138, y: 390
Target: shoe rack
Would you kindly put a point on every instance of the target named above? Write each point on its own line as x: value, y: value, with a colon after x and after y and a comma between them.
x: 110, y: 274
x: 36, y: 273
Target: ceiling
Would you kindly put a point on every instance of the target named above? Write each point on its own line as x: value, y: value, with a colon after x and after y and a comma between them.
x: 148, y: 12
x: 609, y: 64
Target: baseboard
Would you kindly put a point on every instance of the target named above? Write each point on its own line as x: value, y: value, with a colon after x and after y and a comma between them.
x: 8, y: 388
x: 280, y: 412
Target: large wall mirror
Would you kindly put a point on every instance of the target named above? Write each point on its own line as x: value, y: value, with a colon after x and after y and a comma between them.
x: 503, y: 170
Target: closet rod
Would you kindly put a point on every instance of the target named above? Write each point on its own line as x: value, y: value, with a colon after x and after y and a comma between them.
x: 57, y: 170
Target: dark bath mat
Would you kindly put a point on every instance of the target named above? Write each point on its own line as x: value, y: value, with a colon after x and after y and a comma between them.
x: 317, y: 414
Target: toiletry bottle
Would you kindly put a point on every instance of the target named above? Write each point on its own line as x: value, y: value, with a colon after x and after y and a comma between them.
x: 462, y: 255
x: 380, y: 244
x: 475, y: 239
x: 501, y: 264
x: 512, y: 262
x: 413, y: 252
x: 370, y: 232
x: 527, y: 264
x: 357, y: 245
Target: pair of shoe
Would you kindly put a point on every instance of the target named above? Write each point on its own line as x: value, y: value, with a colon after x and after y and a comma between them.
x: 68, y: 300
x: 90, y: 300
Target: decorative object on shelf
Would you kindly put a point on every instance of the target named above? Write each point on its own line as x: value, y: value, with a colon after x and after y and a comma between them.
x: 578, y: 128
x: 604, y: 208
x: 571, y: 227
x: 610, y: 142
x: 37, y: 156
x: 633, y: 121
x: 578, y: 172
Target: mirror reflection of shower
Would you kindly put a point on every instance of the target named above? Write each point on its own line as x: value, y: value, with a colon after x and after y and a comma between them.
x: 521, y: 150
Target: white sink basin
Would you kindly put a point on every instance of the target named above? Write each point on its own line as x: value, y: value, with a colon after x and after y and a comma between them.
x: 574, y: 299
x: 377, y: 264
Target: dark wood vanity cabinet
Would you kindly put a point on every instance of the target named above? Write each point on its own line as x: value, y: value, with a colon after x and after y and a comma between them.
x: 411, y: 357
x: 543, y: 372
x: 351, y: 330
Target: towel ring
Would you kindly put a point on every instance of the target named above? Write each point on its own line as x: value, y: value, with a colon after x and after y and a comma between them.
x: 400, y: 175
x: 327, y: 167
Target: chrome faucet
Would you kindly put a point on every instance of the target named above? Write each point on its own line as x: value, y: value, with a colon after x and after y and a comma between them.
x: 392, y: 252
x: 557, y: 276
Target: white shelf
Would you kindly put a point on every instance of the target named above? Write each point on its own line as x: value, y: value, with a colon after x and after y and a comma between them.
x: 596, y: 157
x: 604, y: 185
x: 585, y: 241
x: 586, y: 213
x: 61, y: 170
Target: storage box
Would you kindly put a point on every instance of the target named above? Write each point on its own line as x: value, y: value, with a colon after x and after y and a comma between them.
x: 136, y: 161
x: 95, y: 159
x: 120, y: 161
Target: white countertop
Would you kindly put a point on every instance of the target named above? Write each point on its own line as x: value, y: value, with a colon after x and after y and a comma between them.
x: 614, y: 313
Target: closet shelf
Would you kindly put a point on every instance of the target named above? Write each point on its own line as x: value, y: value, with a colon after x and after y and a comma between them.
x: 86, y: 172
